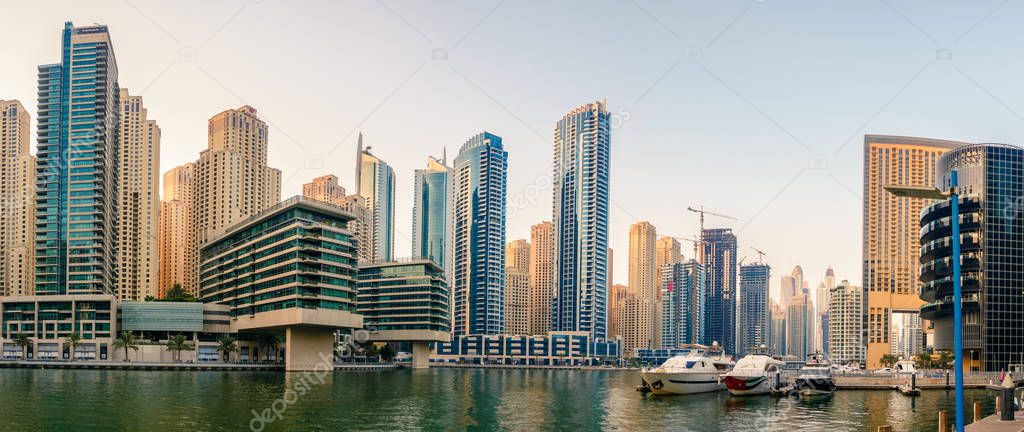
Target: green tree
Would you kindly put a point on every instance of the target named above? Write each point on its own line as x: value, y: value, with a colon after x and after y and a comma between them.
x: 178, y: 294
x: 269, y: 343
x: 126, y: 341
x: 226, y: 344
x: 945, y: 360
x: 23, y: 342
x: 923, y: 360
x: 178, y: 343
x: 387, y: 352
x: 72, y: 342
x: 888, y: 360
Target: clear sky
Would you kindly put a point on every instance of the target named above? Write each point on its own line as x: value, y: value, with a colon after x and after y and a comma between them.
x: 755, y: 109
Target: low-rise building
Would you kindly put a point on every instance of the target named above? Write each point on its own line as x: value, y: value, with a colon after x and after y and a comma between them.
x: 552, y: 349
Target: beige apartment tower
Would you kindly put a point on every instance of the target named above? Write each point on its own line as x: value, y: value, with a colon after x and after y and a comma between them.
x: 138, y: 202
x: 517, y: 287
x: 327, y: 189
x: 542, y: 251
x: 639, y: 320
x: 669, y: 252
x: 891, y: 224
x: 17, y: 195
x: 176, y: 247
x: 617, y: 297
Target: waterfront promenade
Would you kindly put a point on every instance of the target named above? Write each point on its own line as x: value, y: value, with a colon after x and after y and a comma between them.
x: 183, y: 366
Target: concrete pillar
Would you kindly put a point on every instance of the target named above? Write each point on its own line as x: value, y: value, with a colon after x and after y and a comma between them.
x: 308, y: 349
x: 420, y: 354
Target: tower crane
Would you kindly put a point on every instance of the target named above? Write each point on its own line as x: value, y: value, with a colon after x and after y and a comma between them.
x: 699, y: 252
x: 760, y: 255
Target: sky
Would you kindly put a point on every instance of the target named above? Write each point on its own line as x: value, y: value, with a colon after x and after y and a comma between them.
x: 753, y: 109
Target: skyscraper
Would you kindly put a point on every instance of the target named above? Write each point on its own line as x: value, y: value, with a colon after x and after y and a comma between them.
x: 777, y: 332
x: 375, y: 181
x: 798, y: 313
x: 846, y: 318
x: 431, y: 226
x: 582, y: 141
x: 176, y: 251
x: 541, y: 277
x: 890, y: 238
x: 478, y: 200
x: 720, y: 264
x: 682, y: 304
x: 616, y: 302
x: 324, y: 189
x: 644, y: 283
x: 517, y: 287
x: 753, y: 310
x: 232, y: 179
x: 821, y: 302
x: 17, y: 196
x: 669, y: 251
x: 991, y: 184
x: 138, y: 201
x: 77, y: 150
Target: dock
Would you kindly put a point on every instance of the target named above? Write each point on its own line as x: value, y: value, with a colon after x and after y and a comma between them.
x: 993, y: 424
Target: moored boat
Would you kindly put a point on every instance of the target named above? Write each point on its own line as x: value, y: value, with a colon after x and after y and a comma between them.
x: 815, y: 378
x: 699, y: 371
x: 753, y: 375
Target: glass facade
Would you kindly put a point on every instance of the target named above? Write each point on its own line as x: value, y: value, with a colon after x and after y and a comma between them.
x: 753, y: 310
x: 161, y: 316
x: 431, y: 228
x: 682, y: 304
x: 375, y: 181
x: 720, y: 264
x: 991, y: 184
x: 404, y: 295
x: 582, y: 144
x: 76, y: 187
x: 478, y: 200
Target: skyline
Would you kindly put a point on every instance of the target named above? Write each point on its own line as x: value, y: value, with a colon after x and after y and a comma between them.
x: 781, y: 185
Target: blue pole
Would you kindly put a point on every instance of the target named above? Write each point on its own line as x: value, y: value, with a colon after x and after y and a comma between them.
x: 958, y: 334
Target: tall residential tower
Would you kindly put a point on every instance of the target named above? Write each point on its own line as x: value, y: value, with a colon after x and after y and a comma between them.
x: 375, y: 182
x: 138, y: 201
x: 17, y: 196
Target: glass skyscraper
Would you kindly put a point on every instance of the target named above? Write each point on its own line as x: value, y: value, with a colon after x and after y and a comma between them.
x: 431, y: 226
x: 682, y: 304
x: 720, y: 264
x: 76, y: 181
x: 375, y: 181
x: 753, y: 310
x: 580, y: 216
x: 991, y: 183
x: 479, y: 178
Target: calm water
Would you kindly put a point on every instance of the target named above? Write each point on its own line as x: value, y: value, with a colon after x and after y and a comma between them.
x: 436, y: 399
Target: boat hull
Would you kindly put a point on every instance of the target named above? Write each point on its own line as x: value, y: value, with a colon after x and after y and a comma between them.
x: 747, y: 385
x: 814, y: 387
x: 682, y: 383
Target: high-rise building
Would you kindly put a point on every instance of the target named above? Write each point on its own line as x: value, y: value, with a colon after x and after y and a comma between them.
x: 787, y: 288
x: 517, y: 287
x: 582, y: 145
x: 138, y: 201
x: 431, y: 225
x: 324, y: 189
x: 821, y: 301
x: 720, y: 265
x: 375, y: 181
x: 991, y: 183
x: 17, y: 196
x: 616, y: 301
x: 753, y: 310
x: 644, y: 283
x: 232, y: 179
x: 541, y: 277
x: 682, y: 304
x: 177, y: 253
x: 327, y: 189
x: 76, y: 232
x: 669, y: 251
x: 846, y: 317
x: 777, y: 332
x: 478, y: 202
x: 798, y: 312
x: 891, y: 246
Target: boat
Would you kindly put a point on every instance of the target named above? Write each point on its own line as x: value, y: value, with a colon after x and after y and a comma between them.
x: 815, y: 378
x: 697, y: 371
x: 754, y: 374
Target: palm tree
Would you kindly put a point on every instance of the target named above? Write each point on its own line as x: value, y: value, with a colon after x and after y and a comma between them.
x: 226, y: 344
x: 126, y: 340
x: 73, y: 341
x: 888, y: 360
x: 177, y: 344
x: 269, y: 342
x: 23, y: 342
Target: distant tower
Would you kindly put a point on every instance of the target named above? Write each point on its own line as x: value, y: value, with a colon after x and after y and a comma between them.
x: 375, y: 181
x: 753, y: 310
x: 720, y: 265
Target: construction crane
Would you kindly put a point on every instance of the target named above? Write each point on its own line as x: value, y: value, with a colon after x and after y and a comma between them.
x: 760, y: 255
x: 699, y: 251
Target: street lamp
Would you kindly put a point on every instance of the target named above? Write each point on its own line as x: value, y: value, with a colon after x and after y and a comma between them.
x: 958, y: 337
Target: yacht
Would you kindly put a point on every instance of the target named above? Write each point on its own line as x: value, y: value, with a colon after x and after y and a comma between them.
x: 815, y: 378
x: 698, y: 371
x: 753, y: 375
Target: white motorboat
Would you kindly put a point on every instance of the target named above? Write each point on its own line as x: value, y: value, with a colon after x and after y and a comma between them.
x: 699, y: 371
x: 753, y: 375
x: 815, y: 378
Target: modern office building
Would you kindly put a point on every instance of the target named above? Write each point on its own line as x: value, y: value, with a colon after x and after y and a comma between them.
x: 76, y: 174
x: 890, y: 235
x: 405, y: 301
x: 777, y: 330
x: 177, y: 254
x: 682, y: 304
x: 555, y: 348
x: 50, y: 319
x: 431, y: 224
x: 479, y: 199
x: 138, y: 207
x: 668, y: 252
x: 18, y: 198
x: 798, y: 340
x: 290, y: 269
x: 754, y: 321
x: 644, y: 279
x: 541, y: 277
x: 375, y: 182
x: 232, y: 179
x: 580, y: 185
x: 846, y: 318
x: 991, y: 183
x: 517, y: 287
x: 720, y: 265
